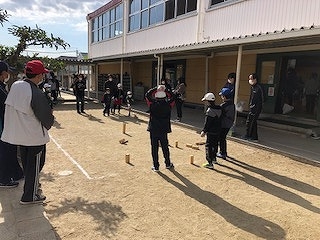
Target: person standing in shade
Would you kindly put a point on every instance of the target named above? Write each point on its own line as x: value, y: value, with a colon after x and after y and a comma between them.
x: 159, y: 125
x: 212, y: 128
x: 28, y: 117
x: 227, y: 118
x: 79, y: 86
x: 179, y: 93
x: 311, y: 89
x: 255, y: 104
x: 10, y: 170
x: 230, y: 84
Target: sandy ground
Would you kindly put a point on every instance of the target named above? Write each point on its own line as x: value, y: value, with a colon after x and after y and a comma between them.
x: 92, y: 193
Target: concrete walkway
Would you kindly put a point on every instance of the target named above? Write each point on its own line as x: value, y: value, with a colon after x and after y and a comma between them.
x: 19, y: 222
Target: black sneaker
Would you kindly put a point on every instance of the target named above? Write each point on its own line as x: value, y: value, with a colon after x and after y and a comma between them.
x: 170, y: 166
x: 10, y: 184
x: 38, y: 200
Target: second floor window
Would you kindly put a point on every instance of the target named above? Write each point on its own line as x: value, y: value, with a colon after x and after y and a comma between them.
x: 143, y: 13
x: 108, y: 25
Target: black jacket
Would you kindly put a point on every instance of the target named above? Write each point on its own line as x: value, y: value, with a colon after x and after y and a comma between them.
x: 3, y: 97
x: 256, y: 99
x: 228, y: 113
x: 160, y: 114
x: 212, y: 123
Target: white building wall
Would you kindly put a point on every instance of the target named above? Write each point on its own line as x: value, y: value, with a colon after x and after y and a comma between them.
x: 106, y: 48
x: 232, y: 19
x: 255, y: 16
x: 166, y: 35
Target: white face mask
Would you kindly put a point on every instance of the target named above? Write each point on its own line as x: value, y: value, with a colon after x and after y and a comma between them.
x: 251, y: 82
x: 7, y: 79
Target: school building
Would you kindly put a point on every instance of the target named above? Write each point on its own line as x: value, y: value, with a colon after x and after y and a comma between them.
x: 142, y: 41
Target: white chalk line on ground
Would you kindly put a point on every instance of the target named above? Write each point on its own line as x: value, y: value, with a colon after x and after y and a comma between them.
x: 71, y: 158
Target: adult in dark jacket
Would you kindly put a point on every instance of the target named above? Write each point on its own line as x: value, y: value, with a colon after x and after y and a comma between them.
x: 227, y: 118
x: 159, y: 125
x: 10, y: 170
x: 79, y: 86
x: 212, y: 128
x: 255, y: 105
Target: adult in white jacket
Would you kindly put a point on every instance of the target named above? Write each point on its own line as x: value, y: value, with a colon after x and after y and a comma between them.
x: 28, y: 117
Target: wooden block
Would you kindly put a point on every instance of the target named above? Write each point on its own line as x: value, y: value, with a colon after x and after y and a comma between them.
x: 127, y: 158
x: 124, y: 128
x: 189, y: 145
x: 195, y: 147
x: 191, y: 159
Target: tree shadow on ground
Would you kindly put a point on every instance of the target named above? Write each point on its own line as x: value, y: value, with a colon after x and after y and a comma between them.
x: 269, y: 188
x: 106, y: 215
x: 256, y: 225
x: 283, y: 180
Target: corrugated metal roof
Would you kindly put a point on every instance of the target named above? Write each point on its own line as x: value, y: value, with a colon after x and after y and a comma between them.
x: 277, y: 38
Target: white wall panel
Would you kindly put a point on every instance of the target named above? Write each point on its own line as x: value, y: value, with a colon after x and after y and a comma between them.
x: 165, y: 35
x: 254, y: 16
x: 106, y: 48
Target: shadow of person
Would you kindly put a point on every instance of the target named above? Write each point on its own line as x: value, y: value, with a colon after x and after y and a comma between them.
x: 256, y: 225
x: 270, y: 188
x: 283, y: 180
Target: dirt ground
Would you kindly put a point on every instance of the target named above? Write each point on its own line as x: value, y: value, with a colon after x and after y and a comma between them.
x: 92, y: 193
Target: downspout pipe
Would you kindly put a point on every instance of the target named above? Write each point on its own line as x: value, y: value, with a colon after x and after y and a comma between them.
x: 158, y: 68
x: 206, y: 86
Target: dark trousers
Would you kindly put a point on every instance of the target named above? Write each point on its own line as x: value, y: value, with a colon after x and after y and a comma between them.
x: 212, y: 147
x: 106, y: 109
x: 80, y: 103
x: 163, y: 139
x: 32, y: 158
x: 179, y: 103
x: 252, y: 126
x: 310, y: 103
x: 223, y: 140
x: 10, y: 168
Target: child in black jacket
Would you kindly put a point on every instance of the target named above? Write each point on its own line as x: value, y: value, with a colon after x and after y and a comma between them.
x: 106, y: 100
x: 228, y: 113
x: 212, y: 128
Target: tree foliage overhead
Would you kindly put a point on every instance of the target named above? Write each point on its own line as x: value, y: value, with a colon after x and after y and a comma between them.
x: 3, y: 16
x: 33, y: 37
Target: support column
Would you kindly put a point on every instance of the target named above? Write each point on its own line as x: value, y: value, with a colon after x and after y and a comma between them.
x: 237, y: 85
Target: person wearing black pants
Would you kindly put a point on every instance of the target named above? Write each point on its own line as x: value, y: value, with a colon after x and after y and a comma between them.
x: 31, y: 157
x: 10, y: 170
x: 227, y: 118
x: 28, y: 117
x: 255, y: 104
x: 179, y: 93
x: 159, y: 125
x: 212, y: 128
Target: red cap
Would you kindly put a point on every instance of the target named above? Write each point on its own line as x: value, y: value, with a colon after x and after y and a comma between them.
x: 35, y: 67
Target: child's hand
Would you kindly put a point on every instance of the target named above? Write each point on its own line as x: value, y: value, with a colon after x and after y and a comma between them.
x: 202, y: 134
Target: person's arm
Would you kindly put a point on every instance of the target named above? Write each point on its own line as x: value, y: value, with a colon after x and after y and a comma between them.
x: 149, y: 94
x: 41, y: 108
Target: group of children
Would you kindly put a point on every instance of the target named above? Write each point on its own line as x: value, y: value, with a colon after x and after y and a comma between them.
x: 113, y: 100
x: 218, y: 121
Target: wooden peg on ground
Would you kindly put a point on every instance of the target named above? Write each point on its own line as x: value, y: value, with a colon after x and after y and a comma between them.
x: 177, y: 144
x: 189, y: 145
x: 195, y: 147
x: 124, y: 128
x: 191, y: 159
x: 127, y: 158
